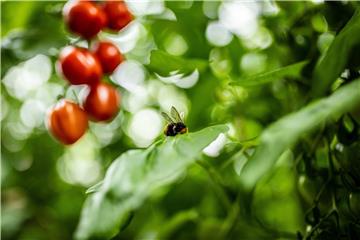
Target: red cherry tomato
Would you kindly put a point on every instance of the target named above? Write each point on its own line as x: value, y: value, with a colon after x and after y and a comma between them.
x: 108, y: 55
x: 79, y: 66
x: 118, y: 15
x: 67, y: 122
x: 85, y: 19
x: 102, y: 102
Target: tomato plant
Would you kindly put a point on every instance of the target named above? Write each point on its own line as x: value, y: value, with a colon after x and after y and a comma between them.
x: 265, y: 95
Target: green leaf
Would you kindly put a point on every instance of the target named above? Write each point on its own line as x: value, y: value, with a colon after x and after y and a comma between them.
x: 164, y: 63
x: 24, y: 10
x: 175, y: 222
x: 293, y: 70
x: 288, y: 130
x: 134, y: 176
x: 334, y: 61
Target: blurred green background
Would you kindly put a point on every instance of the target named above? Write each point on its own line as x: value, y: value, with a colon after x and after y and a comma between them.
x: 182, y: 54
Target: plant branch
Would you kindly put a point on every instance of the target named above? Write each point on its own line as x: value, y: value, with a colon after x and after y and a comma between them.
x: 220, y: 187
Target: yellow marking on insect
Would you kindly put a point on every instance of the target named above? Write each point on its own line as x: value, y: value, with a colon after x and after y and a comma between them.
x: 184, y: 130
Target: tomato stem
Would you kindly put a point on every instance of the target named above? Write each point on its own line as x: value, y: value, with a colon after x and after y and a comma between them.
x: 76, y: 96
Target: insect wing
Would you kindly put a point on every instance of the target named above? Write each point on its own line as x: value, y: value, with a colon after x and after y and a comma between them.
x: 167, y: 118
x: 175, y: 115
x: 182, y: 116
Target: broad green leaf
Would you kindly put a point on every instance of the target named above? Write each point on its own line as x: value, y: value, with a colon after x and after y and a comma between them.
x: 24, y: 10
x: 288, y: 130
x: 164, y: 63
x: 293, y: 70
x: 330, y: 66
x: 134, y: 176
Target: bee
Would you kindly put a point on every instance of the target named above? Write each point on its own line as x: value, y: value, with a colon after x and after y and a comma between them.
x: 175, y: 123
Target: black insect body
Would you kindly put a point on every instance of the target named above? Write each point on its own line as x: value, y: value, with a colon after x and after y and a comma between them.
x: 175, y: 124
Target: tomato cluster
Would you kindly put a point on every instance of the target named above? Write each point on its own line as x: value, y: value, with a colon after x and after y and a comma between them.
x: 68, y: 121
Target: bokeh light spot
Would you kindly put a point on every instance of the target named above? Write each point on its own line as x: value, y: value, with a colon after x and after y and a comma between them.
x: 175, y: 44
x: 145, y: 126
x: 218, y: 35
x: 23, y: 79
x: 239, y: 17
x: 129, y: 75
x: 252, y: 63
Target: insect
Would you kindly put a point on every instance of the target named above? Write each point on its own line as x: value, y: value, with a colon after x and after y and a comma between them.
x: 175, y: 123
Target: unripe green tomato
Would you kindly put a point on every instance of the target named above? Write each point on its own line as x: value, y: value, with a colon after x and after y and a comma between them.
x: 307, y: 189
x: 349, y: 159
x: 356, y: 115
x: 354, y: 202
x: 345, y: 136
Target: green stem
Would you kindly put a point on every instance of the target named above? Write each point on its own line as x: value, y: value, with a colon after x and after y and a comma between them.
x: 321, y: 222
x: 331, y: 173
x: 231, y: 159
x: 76, y: 97
x: 230, y: 219
x: 219, y: 185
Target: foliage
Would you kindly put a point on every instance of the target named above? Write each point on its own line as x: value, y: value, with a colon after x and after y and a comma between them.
x: 293, y: 70
x: 282, y: 134
x: 164, y: 63
x: 272, y: 106
x: 343, y: 47
x: 135, y: 176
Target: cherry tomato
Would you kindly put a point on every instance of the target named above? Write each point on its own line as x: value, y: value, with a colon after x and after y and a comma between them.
x: 118, y: 15
x: 102, y: 102
x: 79, y: 66
x: 108, y: 55
x: 85, y: 19
x: 67, y: 122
